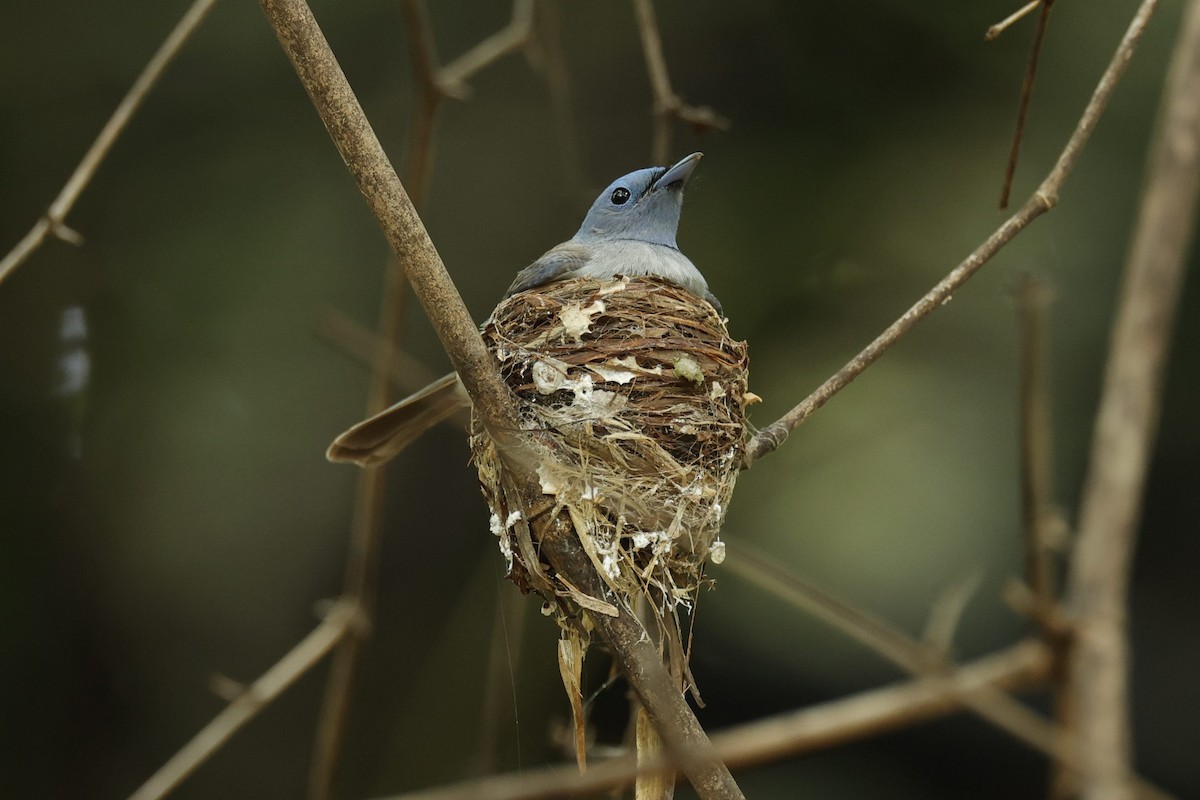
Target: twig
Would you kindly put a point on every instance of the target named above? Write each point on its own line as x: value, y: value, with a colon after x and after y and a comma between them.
x: 53, y: 222
x: 408, y: 373
x: 429, y: 96
x: 771, y: 437
x: 667, y: 104
x: 793, y: 733
x: 1035, y: 50
x: 366, y: 531
x: 1038, y: 514
x: 1041, y: 525
x: 1000, y: 27
x: 1126, y: 424
x: 322, y: 77
x: 435, y: 83
x: 343, y: 117
x: 918, y: 658
x: 512, y: 37
x: 856, y: 623
x: 362, y: 563
x: 340, y: 620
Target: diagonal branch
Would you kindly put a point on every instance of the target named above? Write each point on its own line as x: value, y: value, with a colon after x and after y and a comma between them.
x: 771, y: 437
x: 53, y: 222
x: 1125, y: 428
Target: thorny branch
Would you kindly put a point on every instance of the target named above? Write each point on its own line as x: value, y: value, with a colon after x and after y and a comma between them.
x: 771, y: 437
x: 53, y: 222
x: 1126, y: 426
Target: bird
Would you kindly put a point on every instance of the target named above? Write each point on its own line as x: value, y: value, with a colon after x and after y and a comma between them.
x: 630, y: 231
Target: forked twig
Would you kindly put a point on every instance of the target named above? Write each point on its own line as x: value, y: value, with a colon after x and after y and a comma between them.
x: 53, y: 222
x: 435, y: 83
x: 667, y: 104
x: 771, y: 437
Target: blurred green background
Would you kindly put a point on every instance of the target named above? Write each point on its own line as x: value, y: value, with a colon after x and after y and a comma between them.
x: 165, y: 510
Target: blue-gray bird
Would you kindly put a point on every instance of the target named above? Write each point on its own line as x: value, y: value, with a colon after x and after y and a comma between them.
x: 629, y: 230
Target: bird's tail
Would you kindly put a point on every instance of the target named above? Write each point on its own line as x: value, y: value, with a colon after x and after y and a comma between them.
x: 379, y: 438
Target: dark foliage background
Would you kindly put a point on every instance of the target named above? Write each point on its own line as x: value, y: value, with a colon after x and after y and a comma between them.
x: 165, y: 510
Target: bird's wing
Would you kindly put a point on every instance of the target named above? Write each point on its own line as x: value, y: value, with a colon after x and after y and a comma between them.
x: 557, y: 263
x: 377, y: 439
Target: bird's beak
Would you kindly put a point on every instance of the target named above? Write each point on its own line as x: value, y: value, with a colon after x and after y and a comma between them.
x: 677, y: 176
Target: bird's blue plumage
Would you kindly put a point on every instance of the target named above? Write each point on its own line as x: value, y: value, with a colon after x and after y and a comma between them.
x: 629, y: 230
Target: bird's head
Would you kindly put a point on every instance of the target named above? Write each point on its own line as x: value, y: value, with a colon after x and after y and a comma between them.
x: 643, y: 205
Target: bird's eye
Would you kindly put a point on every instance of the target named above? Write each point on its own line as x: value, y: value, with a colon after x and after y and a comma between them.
x: 620, y: 196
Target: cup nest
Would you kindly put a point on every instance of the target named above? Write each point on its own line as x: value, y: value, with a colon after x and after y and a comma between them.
x: 634, y: 397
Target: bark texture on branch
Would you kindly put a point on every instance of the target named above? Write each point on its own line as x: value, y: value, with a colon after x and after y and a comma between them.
x: 1125, y: 430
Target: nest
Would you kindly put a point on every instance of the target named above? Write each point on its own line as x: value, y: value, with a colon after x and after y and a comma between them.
x: 636, y: 397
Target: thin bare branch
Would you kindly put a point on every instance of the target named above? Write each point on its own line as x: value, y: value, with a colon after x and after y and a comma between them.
x: 1126, y: 425
x: 1000, y: 27
x: 858, y: 624
x: 771, y: 437
x: 435, y: 83
x: 366, y: 530
x: 340, y: 620
x: 917, y: 658
x: 1040, y: 519
x: 921, y: 659
x: 344, y: 119
x: 362, y: 563
x: 512, y: 37
x: 429, y: 96
x: 408, y: 374
x: 53, y: 222
x: 793, y: 733
x: 1035, y: 50
x: 667, y: 104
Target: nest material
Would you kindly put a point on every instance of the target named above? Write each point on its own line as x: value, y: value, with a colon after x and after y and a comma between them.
x: 637, y: 394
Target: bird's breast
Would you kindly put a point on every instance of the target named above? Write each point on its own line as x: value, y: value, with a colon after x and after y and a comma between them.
x: 636, y: 259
